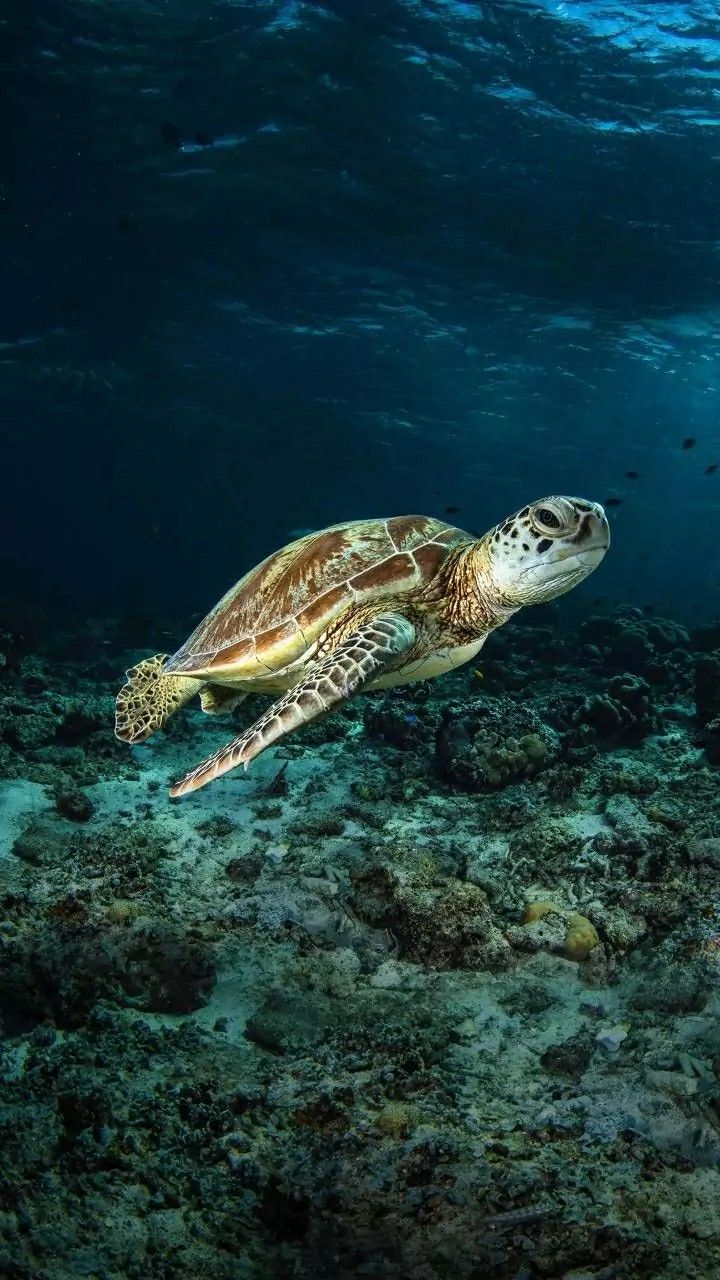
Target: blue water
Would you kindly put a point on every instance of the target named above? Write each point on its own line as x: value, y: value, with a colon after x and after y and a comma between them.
x: 270, y: 265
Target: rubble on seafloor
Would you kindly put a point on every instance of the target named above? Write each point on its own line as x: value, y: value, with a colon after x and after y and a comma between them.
x: 432, y: 990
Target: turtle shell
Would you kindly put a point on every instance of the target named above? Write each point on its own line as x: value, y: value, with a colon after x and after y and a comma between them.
x: 275, y: 613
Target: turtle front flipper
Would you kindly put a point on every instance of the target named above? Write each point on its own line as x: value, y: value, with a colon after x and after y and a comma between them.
x: 358, y: 658
x: 149, y: 698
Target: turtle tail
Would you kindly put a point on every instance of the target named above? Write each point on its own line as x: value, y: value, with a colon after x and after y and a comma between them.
x: 149, y: 698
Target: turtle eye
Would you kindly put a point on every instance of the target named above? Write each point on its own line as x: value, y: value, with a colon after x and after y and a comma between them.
x: 547, y: 517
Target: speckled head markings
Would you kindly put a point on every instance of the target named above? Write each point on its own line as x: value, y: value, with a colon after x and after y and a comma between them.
x: 364, y: 605
x: 544, y: 550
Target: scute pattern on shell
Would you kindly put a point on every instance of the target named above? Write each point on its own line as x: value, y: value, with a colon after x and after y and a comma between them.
x: 279, y: 607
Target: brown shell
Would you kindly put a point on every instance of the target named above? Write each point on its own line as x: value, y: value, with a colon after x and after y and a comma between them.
x: 273, y: 614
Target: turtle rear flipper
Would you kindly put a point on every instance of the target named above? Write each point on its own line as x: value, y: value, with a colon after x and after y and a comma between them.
x: 372, y: 648
x: 149, y: 698
x: 214, y: 699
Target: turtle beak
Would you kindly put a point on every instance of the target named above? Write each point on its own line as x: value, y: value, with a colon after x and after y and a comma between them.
x: 587, y: 546
x: 593, y: 532
x: 590, y: 539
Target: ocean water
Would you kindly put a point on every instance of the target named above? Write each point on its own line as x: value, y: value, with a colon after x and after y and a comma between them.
x: 431, y: 988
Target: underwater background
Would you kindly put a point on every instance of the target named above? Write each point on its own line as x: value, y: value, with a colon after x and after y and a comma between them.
x: 432, y: 989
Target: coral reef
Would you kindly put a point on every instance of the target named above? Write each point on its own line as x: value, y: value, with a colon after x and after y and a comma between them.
x: 707, y: 701
x: 489, y: 742
x: 547, y: 926
x: 623, y: 713
x: 437, y: 921
x: 658, y: 649
x: 432, y: 989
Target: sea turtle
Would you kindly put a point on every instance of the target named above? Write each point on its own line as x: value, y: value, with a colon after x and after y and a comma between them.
x: 363, y: 605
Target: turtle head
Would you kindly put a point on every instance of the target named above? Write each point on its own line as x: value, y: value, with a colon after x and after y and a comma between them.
x: 545, y: 549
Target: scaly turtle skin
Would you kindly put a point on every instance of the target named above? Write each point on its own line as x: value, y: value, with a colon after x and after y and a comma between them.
x: 364, y: 605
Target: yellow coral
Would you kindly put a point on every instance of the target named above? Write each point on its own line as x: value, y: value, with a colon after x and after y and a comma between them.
x: 581, y: 937
x: 536, y: 911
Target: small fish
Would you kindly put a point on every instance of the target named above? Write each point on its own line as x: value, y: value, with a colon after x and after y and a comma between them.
x: 632, y: 475
x: 689, y: 442
x: 710, y: 471
x: 478, y: 674
x: 451, y: 511
x: 613, y: 502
